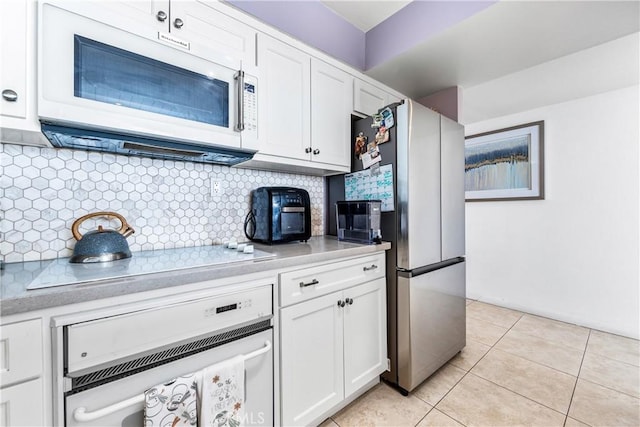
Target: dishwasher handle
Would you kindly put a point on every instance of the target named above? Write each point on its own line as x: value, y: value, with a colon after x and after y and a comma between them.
x: 82, y: 416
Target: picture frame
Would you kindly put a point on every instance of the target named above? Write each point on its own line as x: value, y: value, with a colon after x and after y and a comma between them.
x: 505, y: 164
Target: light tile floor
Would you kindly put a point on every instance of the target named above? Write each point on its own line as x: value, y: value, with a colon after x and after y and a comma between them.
x: 517, y: 369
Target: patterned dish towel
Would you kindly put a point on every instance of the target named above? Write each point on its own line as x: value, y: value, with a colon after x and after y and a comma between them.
x: 221, y: 394
x: 172, y: 404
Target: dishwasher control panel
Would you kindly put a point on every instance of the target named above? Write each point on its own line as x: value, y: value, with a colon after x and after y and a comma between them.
x: 98, y: 343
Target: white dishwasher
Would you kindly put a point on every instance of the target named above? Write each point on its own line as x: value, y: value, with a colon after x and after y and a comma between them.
x: 105, y: 364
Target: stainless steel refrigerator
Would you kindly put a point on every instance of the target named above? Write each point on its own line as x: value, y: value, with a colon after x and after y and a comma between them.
x: 426, y: 265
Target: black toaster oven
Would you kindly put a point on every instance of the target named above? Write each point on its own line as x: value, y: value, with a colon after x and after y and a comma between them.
x: 279, y: 214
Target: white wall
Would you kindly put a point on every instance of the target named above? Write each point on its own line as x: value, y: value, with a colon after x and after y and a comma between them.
x: 575, y: 255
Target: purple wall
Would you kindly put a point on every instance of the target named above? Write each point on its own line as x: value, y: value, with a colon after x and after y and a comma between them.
x: 444, y: 102
x: 313, y: 24
x: 413, y: 24
x: 316, y: 25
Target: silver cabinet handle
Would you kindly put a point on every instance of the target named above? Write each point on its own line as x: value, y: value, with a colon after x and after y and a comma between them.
x: 341, y: 303
x: 349, y: 301
x: 307, y: 150
x: 311, y: 283
x: 239, y: 77
x: 10, y: 95
x: 316, y: 151
x: 373, y: 267
x: 161, y: 16
x: 178, y: 23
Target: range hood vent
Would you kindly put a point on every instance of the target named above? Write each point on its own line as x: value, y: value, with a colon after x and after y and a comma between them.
x: 134, y: 145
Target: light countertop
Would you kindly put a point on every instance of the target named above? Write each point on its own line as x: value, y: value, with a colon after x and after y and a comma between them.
x: 35, y: 285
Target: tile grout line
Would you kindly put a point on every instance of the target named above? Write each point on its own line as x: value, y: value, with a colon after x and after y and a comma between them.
x: 532, y: 361
x: 505, y: 388
x: 552, y: 343
x: 466, y: 373
x: 609, y: 388
x: 586, y: 345
x: 508, y: 389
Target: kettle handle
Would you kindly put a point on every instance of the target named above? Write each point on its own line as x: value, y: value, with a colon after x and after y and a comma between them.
x: 126, y: 230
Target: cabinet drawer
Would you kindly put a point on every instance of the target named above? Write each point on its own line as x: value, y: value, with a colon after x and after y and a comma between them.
x: 20, y: 351
x: 307, y: 283
x: 22, y: 405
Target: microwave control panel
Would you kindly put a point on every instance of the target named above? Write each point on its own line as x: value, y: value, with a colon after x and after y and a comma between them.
x: 250, y: 99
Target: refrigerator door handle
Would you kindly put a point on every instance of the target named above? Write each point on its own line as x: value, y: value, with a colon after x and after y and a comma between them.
x: 403, y: 272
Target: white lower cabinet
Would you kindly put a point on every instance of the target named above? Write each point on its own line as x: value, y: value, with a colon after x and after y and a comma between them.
x: 21, y: 357
x: 22, y: 405
x: 331, y: 346
x: 365, y: 334
x: 312, y: 366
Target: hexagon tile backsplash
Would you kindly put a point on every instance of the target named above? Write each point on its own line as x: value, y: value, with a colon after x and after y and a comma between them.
x: 168, y: 203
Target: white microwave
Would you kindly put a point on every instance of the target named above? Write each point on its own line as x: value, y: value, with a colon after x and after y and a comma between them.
x: 97, y: 77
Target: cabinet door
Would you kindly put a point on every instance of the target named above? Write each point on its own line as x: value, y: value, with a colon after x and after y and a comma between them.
x: 331, y: 101
x: 13, y: 66
x: 284, y: 107
x: 368, y: 99
x: 212, y: 33
x: 22, y: 405
x: 365, y: 334
x: 311, y: 358
x: 142, y: 17
x: 18, y: 116
x: 20, y: 351
x: 148, y: 13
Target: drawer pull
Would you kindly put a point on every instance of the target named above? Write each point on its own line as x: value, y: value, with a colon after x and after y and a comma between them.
x: 313, y: 282
x: 341, y: 303
x: 349, y: 301
x: 373, y: 267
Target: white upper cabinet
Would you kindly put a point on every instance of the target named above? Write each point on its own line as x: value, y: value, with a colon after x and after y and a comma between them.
x: 283, y: 104
x: 19, y: 121
x: 191, y: 26
x: 142, y: 17
x: 214, y: 32
x: 149, y: 14
x: 331, y: 100
x: 14, y: 58
x: 304, y: 109
x: 368, y: 99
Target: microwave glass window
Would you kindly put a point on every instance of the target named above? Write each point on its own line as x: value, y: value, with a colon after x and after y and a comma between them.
x: 115, y: 76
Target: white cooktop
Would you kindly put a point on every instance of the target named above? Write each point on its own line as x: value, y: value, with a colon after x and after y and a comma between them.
x: 61, y: 272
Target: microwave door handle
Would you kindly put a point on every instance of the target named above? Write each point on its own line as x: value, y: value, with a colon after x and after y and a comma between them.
x: 239, y: 77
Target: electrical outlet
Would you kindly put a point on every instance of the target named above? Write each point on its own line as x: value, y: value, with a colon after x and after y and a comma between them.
x: 216, y: 187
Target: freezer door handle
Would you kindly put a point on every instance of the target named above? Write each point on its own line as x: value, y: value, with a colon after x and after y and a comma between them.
x: 403, y: 272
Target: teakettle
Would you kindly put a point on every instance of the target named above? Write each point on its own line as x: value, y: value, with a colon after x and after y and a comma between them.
x: 101, y: 245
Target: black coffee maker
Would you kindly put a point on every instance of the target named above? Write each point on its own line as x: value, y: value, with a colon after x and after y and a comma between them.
x: 359, y: 221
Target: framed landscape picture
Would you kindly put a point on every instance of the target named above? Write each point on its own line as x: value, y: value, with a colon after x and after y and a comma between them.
x: 506, y: 164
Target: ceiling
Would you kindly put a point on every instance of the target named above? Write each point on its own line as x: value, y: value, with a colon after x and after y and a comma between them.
x: 508, y: 39
x: 363, y: 14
